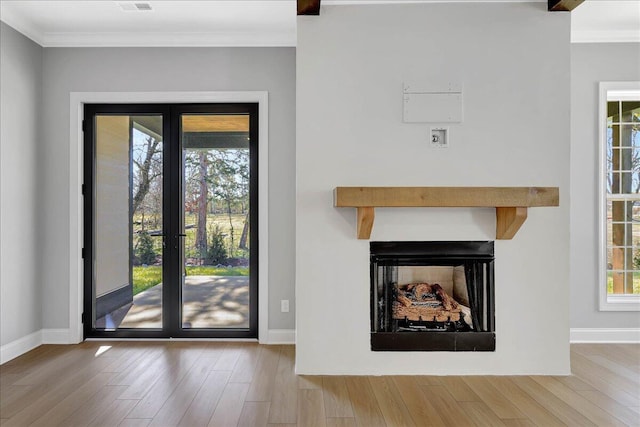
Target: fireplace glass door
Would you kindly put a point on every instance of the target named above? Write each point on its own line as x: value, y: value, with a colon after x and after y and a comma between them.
x: 432, y: 296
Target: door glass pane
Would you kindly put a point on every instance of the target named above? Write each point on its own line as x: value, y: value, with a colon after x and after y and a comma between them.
x: 215, y: 220
x: 128, y: 231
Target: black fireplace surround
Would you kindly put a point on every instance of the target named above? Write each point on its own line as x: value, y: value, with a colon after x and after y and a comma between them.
x: 432, y: 296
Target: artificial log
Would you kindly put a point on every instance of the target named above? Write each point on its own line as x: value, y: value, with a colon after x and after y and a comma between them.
x: 425, y: 302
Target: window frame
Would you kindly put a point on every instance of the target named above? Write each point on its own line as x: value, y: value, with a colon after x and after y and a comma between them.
x: 610, y: 91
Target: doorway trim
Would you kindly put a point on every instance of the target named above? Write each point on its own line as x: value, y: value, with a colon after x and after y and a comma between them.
x: 76, y: 137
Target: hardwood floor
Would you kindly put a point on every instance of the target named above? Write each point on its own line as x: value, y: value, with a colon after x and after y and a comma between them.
x: 244, y: 384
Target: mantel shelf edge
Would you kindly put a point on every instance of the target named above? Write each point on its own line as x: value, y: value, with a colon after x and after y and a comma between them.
x: 511, y: 203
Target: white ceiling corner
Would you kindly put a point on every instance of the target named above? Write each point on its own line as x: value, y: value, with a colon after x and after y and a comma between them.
x: 604, y: 21
x: 169, y: 23
x: 69, y: 23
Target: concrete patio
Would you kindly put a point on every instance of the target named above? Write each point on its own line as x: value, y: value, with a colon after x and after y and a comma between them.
x: 208, y: 302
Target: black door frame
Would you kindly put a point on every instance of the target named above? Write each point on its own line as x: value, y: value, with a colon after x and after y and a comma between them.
x: 172, y: 213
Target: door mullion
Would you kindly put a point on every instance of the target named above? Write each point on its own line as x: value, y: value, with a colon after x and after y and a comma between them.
x: 171, y: 208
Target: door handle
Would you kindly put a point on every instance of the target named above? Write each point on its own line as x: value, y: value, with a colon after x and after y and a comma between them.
x: 177, y: 237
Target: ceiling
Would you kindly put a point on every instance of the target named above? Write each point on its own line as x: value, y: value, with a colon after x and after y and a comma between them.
x: 606, y: 21
x: 239, y: 22
x: 169, y: 23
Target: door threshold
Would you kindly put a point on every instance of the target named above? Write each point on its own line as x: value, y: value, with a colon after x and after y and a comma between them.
x: 194, y: 339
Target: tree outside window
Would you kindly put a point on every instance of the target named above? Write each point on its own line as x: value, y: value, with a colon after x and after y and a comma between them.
x: 623, y: 197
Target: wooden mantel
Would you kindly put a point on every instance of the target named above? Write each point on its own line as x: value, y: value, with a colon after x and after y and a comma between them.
x: 511, y: 203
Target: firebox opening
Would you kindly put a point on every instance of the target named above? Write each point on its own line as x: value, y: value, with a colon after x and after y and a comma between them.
x: 432, y: 296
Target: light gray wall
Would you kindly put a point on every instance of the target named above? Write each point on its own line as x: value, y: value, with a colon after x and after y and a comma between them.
x: 20, y: 201
x: 592, y: 63
x: 44, y: 167
x: 168, y: 69
x: 512, y: 60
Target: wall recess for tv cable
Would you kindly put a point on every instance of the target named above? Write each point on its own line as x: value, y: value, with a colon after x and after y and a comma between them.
x: 432, y: 103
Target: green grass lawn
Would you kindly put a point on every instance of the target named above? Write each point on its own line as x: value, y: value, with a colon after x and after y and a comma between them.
x: 213, y: 220
x: 147, y: 277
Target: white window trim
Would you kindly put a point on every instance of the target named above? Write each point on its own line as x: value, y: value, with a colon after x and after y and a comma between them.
x: 610, y: 91
x: 77, y: 101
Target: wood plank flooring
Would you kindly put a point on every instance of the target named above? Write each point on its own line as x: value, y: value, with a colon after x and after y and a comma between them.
x: 244, y: 384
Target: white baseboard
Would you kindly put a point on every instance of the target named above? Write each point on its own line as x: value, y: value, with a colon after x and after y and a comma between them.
x: 20, y: 346
x: 55, y: 336
x: 605, y: 335
x: 281, y: 336
x: 62, y: 336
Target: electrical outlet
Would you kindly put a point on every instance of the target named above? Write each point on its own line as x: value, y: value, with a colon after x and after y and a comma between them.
x: 284, y: 305
x: 439, y: 137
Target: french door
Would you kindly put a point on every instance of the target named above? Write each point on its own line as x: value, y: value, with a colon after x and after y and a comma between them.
x: 170, y: 220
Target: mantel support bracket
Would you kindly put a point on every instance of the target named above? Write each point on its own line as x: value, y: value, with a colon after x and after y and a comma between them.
x: 509, y: 221
x: 366, y: 215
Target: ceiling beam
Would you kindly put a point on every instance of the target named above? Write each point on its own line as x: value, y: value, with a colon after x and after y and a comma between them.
x: 312, y: 7
x: 556, y: 5
x: 308, y: 7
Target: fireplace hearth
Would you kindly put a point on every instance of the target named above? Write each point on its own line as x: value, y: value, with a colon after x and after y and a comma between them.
x: 432, y: 296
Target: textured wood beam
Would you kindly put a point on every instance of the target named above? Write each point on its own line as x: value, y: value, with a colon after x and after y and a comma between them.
x: 308, y: 7
x: 511, y: 203
x: 388, y: 197
x: 553, y: 5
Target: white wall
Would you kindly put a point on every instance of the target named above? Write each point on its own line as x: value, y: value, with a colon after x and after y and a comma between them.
x: 20, y: 194
x: 513, y: 61
x: 168, y: 69
x: 591, y: 64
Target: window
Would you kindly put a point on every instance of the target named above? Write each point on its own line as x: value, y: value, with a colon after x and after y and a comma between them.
x: 620, y: 195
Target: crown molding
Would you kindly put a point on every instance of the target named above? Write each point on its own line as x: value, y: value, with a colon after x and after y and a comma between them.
x: 614, y: 36
x: 230, y: 39
x: 283, y: 38
x: 250, y: 39
x: 256, y: 39
x: 23, y: 26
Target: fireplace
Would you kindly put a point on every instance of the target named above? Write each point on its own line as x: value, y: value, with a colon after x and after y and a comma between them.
x: 432, y: 296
